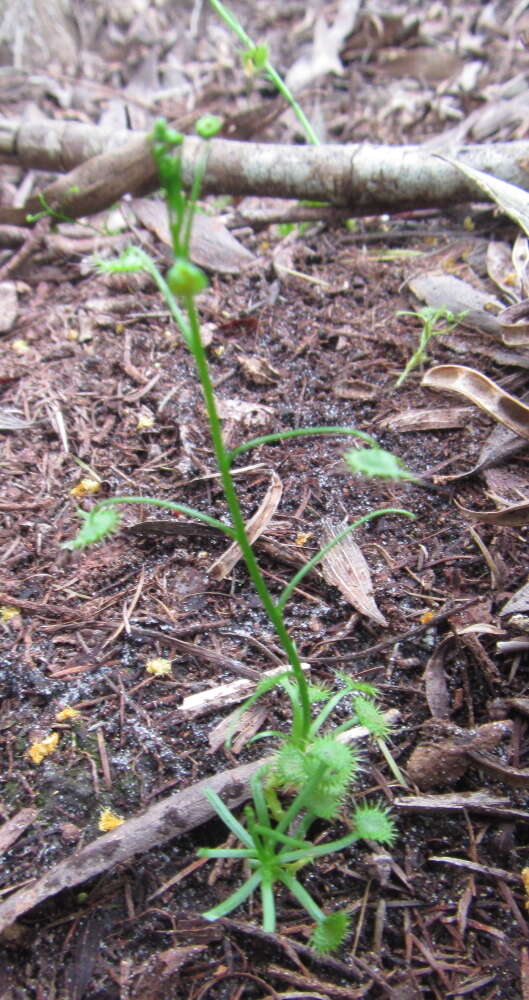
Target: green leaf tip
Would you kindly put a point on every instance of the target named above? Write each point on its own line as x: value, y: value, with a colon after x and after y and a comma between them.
x: 255, y: 59
x: 370, y: 716
x: 374, y: 823
x: 97, y: 524
x: 376, y: 463
x: 132, y: 259
x: 330, y: 932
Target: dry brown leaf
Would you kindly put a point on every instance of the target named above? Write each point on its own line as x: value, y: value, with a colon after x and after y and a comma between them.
x: 212, y: 245
x: 258, y: 369
x: 501, y: 271
x: 354, y: 388
x: 510, y: 198
x: 520, y: 259
x: 515, y: 324
x: 254, y: 528
x: 514, y: 776
x: 155, y: 977
x: 14, y: 827
x: 483, y: 392
x: 345, y: 567
x: 435, y: 684
x: 441, y: 765
x: 430, y: 65
x: 327, y: 42
x: 514, y: 516
x: 518, y: 602
x: 500, y: 445
x: 248, y: 414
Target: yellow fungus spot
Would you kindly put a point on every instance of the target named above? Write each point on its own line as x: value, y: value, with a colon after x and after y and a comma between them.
x: 303, y: 537
x: 145, y: 422
x: 20, y: 346
x: 7, y: 612
x: 38, y: 751
x: 109, y: 821
x: 72, y: 334
x: 158, y: 666
x: 67, y: 713
x: 426, y: 617
x: 85, y: 488
x: 468, y: 224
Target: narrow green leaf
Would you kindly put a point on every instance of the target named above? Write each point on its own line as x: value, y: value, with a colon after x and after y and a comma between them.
x: 228, y: 818
x: 236, y: 898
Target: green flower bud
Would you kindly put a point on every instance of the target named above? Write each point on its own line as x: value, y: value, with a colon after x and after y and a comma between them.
x: 185, y: 278
x: 208, y: 126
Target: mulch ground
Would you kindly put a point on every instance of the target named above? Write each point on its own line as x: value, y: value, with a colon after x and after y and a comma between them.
x: 108, y: 392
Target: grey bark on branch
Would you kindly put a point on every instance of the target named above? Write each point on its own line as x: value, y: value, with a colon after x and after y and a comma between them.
x: 366, y: 179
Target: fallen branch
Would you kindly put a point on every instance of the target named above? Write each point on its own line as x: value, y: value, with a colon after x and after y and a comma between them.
x: 165, y: 820
x: 369, y: 180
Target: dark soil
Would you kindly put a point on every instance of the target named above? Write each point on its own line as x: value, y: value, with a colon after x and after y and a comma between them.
x: 109, y: 392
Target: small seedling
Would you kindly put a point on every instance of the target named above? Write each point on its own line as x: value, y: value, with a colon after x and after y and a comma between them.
x: 429, y: 317
x: 275, y: 851
x: 317, y: 768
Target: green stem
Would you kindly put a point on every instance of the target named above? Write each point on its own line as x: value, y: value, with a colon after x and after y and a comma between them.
x: 178, y: 508
x: 177, y: 314
x: 299, y: 432
x: 229, y: 18
x: 223, y: 461
x: 290, y: 587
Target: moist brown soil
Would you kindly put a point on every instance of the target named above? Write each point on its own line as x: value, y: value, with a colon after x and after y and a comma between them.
x: 86, y: 623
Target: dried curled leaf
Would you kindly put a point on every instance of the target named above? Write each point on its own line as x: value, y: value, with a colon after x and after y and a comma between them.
x: 515, y: 324
x: 514, y: 516
x: 483, y: 392
x: 509, y: 197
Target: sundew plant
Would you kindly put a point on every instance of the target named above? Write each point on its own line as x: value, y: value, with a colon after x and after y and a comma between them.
x: 314, y: 769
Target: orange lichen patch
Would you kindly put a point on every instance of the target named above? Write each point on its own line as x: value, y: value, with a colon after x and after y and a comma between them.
x: 426, y: 617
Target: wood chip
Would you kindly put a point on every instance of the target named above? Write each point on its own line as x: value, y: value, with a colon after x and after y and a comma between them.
x: 14, y: 827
